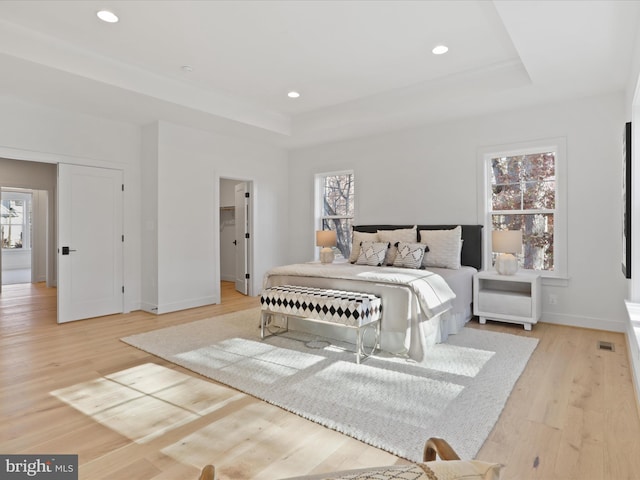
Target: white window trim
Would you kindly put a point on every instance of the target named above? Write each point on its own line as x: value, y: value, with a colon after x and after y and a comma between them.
x: 560, y: 237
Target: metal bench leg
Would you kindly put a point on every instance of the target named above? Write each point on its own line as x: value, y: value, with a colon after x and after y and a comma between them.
x: 268, y: 318
x: 263, y: 316
x: 360, y: 331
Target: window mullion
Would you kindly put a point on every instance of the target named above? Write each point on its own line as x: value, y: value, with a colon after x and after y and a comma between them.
x: 523, y: 212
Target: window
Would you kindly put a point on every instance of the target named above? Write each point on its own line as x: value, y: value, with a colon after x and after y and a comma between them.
x: 523, y: 189
x: 15, y: 220
x: 335, y: 207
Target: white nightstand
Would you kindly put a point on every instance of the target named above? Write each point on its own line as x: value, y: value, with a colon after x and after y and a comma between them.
x: 507, y: 298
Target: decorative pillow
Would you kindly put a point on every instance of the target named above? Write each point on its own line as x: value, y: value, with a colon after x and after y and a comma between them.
x: 408, y: 235
x: 444, y: 247
x: 372, y: 253
x: 409, y: 255
x: 356, y: 239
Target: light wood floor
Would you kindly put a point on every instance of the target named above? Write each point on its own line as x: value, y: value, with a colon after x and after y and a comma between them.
x: 75, y: 388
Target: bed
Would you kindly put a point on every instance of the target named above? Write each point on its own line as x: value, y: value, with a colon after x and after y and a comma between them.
x: 421, y: 306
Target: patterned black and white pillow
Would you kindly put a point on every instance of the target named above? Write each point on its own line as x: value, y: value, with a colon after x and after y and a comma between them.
x: 409, y: 255
x: 372, y: 253
x: 357, y: 239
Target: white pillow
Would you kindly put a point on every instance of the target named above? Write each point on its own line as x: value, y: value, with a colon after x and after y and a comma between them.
x: 409, y: 255
x: 372, y: 253
x: 444, y: 247
x: 408, y: 235
x: 356, y: 239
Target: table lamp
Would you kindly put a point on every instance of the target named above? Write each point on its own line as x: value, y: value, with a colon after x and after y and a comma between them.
x: 326, y: 239
x: 506, y: 243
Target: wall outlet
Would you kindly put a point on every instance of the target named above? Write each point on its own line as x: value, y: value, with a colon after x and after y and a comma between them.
x: 553, y: 299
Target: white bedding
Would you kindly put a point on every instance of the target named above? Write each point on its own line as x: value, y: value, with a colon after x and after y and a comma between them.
x: 420, y: 307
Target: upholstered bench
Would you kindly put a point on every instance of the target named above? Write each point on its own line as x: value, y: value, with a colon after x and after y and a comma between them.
x: 349, y: 309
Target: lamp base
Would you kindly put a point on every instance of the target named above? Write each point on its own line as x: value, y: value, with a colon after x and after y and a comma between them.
x: 506, y: 264
x: 327, y: 255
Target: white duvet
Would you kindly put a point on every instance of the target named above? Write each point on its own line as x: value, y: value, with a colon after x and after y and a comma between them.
x: 432, y: 291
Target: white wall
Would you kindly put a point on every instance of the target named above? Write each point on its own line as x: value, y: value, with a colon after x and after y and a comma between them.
x: 149, y: 208
x: 190, y: 164
x: 16, y: 259
x: 428, y: 175
x: 32, y: 132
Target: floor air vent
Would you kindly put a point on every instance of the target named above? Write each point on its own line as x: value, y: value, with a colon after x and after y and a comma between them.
x: 610, y: 347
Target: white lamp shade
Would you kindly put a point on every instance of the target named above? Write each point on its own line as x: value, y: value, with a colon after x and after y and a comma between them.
x: 506, y: 241
x: 326, y: 238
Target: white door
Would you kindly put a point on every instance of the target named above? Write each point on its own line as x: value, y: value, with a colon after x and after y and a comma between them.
x: 242, y: 237
x: 90, y: 261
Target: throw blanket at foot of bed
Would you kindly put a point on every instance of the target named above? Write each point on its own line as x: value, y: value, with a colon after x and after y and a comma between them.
x: 409, y: 298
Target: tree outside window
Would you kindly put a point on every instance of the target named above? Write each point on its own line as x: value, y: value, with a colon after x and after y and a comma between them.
x: 523, y: 197
x: 336, y: 198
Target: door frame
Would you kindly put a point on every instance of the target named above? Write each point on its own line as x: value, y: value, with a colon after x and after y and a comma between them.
x: 35, y: 230
x: 24, y: 182
x: 251, y: 188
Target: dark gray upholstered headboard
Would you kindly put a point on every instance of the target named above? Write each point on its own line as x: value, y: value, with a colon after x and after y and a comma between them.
x: 471, y: 235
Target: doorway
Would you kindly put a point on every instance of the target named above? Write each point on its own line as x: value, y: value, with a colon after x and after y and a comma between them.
x: 24, y: 235
x: 236, y: 242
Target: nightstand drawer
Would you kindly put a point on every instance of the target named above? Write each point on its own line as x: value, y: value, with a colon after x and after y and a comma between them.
x: 505, y: 303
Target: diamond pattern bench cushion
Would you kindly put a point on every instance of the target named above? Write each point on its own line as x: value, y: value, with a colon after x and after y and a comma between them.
x: 353, y: 309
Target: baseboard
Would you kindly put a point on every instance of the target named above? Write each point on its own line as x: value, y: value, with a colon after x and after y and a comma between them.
x: 149, y: 307
x: 132, y: 307
x: 583, y: 322
x: 186, y: 304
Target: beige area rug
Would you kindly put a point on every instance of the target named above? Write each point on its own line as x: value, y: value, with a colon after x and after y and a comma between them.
x: 392, y: 403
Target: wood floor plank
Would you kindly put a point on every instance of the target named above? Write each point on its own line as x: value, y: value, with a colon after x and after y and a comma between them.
x: 571, y: 415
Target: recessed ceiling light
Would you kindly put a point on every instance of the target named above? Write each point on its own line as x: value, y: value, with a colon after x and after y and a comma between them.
x: 293, y: 94
x: 107, y: 16
x: 440, y: 49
